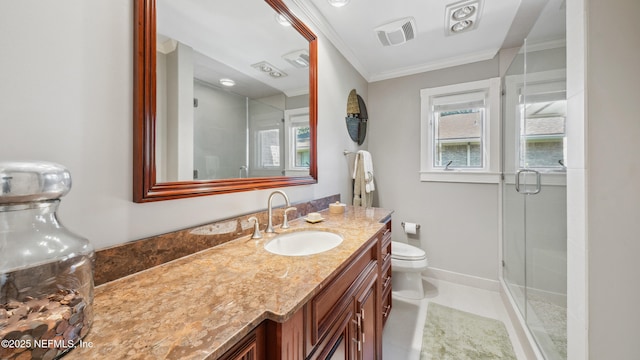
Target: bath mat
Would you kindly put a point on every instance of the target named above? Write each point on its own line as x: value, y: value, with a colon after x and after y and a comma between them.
x: 451, y: 334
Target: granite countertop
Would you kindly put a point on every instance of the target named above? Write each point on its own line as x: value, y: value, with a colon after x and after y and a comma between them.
x: 199, y: 306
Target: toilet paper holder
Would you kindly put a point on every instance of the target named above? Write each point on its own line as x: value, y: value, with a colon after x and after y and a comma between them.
x: 417, y: 225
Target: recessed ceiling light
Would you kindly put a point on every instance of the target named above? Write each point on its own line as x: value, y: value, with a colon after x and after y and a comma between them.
x: 338, y: 3
x: 282, y: 20
x: 463, y: 13
x: 227, y: 82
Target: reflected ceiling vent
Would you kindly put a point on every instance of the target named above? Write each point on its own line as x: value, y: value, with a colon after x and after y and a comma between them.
x: 298, y: 58
x: 397, y: 32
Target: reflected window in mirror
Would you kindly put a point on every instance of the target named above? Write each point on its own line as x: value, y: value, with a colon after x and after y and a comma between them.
x: 297, y: 141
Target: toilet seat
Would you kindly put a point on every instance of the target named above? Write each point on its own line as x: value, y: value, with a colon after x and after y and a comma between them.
x: 402, y: 251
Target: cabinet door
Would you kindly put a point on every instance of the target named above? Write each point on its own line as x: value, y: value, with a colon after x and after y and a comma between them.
x: 367, y: 306
x: 338, y: 345
x: 251, y: 347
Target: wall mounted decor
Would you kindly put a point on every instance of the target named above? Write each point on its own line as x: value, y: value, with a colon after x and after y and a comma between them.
x: 356, y: 117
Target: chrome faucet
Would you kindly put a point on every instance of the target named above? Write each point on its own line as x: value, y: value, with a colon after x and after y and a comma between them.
x: 270, y: 211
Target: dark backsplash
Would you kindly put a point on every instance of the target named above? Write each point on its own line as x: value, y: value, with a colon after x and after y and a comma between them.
x: 132, y: 257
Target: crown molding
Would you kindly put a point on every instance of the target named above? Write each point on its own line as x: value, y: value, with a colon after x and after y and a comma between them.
x: 436, y: 65
x: 312, y: 13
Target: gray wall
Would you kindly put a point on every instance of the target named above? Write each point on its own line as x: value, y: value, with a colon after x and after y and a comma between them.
x: 66, y: 96
x: 612, y: 165
x: 459, y: 222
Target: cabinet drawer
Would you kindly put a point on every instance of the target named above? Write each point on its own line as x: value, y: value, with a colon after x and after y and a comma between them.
x: 385, y: 244
x: 386, y: 277
x: 386, y: 235
x: 386, y: 305
x: 326, y: 306
x: 385, y: 253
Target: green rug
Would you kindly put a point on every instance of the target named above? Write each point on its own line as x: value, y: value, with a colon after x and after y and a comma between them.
x: 451, y: 334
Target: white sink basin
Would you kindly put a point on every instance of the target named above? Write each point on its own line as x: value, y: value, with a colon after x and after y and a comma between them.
x: 301, y: 243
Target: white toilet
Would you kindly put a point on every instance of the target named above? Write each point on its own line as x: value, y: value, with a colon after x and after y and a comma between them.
x: 407, y: 264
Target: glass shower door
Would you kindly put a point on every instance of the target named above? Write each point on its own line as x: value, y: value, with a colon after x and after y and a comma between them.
x: 541, y: 181
x: 534, y: 192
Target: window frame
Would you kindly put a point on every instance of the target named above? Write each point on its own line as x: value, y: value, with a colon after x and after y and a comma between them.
x: 490, y: 171
x: 548, y: 82
x: 515, y: 87
x: 292, y: 119
x: 258, y: 137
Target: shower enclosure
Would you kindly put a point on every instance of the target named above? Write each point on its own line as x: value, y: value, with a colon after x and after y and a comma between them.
x: 534, y: 208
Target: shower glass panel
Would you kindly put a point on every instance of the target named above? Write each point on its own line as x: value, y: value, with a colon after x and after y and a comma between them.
x: 513, y: 264
x: 235, y: 136
x: 266, y: 140
x: 534, y: 189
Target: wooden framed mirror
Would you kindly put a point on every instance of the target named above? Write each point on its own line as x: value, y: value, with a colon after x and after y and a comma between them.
x: 269, y: 157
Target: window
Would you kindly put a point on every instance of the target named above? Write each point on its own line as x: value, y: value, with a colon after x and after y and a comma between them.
x: 269, y: 148
x: 542, y: 131
x: 458, y: 137
x: 297, y: 142
x: 301, y: 149
x: 460, y: 132
x: 535, y: 126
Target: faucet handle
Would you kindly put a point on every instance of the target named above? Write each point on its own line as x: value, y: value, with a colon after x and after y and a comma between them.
x: 285, y: 220
x: 256, y: 228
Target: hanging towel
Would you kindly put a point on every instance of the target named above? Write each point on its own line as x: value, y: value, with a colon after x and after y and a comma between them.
x: 362, y: 178
x: 363, y: 158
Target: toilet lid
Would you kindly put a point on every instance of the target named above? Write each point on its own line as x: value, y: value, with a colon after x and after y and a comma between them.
x: 404, y: 251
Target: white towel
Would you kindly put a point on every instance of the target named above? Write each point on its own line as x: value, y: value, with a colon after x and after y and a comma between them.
x: 367, y: 164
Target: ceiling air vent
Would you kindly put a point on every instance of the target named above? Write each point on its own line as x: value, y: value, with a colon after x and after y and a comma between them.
x: 298, y: 58
x: 397, y: 32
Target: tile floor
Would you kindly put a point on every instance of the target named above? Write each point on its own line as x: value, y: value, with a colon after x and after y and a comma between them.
x: 402, y: 336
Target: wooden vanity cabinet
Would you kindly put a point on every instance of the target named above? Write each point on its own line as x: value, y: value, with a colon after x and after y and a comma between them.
x: 385, y: 273
x: 343, y: 321
x: 354, y: 331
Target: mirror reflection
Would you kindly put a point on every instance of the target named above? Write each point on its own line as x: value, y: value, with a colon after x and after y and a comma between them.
x: 232, y: 92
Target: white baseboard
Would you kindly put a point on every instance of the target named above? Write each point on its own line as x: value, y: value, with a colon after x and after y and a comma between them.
x: 463, y: 279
